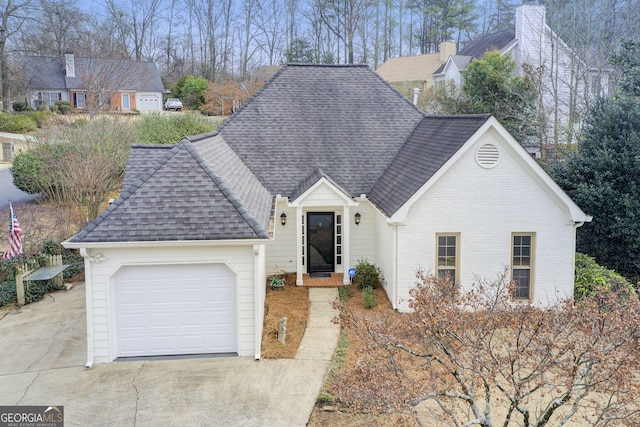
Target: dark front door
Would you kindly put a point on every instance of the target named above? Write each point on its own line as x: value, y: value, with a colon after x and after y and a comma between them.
x: 320, y: 242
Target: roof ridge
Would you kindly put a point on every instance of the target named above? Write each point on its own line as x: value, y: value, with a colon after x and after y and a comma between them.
x: 226, y: 190
x: 309, y: 64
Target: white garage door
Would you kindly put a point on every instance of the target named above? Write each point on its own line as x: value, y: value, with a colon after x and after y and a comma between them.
x: 148, y: 102
x: 175, y: 309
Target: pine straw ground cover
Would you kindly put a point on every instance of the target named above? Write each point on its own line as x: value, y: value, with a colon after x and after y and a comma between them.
x: 291, y: 302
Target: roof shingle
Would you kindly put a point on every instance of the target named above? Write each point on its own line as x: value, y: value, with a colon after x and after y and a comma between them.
x: 342, y: 123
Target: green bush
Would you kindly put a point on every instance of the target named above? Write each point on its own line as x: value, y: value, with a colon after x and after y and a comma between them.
x: 38, y: 117
x: 32, y: 172
x: 163, y: 129
x: 592, y: 278
x: 367, y: 275
x: 8, y: 293
x: 16, y: 123
x: 20, y: 106
x: 27, y: 171
x: 70, y: 257
x: 63, y: 107
x: 369, y: 297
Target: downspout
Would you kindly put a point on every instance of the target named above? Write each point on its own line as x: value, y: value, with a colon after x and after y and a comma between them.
x: 88, y: 291
x: 259, y: 292
x: 576, y: 225
x: 394, y: 299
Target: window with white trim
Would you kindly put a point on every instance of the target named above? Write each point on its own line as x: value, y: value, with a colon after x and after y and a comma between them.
x: 49, y: 99
x: 81, y: 99
x: 126, y: 101
x: 522, y: 250
x: 447, y: 255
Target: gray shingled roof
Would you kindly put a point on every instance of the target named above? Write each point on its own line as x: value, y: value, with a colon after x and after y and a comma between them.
x: 433, y: 142
x: 496, y: 41
x: 179, y: 198
x: 344, y: 120
x: 343, y: 123
x: 460, y: 61
x: 141, y: 158
x: 44, y: 72
x: 476, y: 48
x: 121, y: 74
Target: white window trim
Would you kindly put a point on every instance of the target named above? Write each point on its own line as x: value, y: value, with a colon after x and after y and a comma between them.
x: 456, y: 266
x: 530, y: 267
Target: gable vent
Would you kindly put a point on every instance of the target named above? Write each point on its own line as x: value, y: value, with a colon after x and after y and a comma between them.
x: 488, y: 156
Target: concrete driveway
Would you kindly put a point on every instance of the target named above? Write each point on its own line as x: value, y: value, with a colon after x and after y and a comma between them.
x: 43, y: 353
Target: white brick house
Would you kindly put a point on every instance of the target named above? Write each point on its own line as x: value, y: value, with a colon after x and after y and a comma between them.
x: 311, y: 181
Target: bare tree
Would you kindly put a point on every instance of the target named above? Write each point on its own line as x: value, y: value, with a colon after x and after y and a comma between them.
x: 479, y: 358
x: 271, y: 30
x: 343, y: 18
x: 92, y: 165
x: 58, y: 24
x: 249, y: 9
x: 136, y: 21
x: 13, y: 15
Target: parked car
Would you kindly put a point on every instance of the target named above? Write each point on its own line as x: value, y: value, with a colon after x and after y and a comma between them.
x: 173, y: 104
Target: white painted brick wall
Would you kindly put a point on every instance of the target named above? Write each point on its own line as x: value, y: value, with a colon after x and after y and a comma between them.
x: 485, y: 206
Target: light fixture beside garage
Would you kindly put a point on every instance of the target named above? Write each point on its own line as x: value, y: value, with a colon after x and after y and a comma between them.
x: 357, y: 217
x: 98, y: 257
x: 283, y: 218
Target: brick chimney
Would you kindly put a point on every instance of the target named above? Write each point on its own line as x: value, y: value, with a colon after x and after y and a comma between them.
x: 447, y: 49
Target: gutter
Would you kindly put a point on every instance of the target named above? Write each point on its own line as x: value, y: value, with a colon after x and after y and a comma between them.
x: 161, y: 244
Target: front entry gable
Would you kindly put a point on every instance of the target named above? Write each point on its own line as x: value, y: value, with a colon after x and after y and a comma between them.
x: 320, y: 191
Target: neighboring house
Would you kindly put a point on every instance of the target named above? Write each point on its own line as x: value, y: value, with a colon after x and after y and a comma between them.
x: 118, y: 84
x: 407, y: 73
x: 452, y: 67
x: 566, y: 83
x: 325, y: 166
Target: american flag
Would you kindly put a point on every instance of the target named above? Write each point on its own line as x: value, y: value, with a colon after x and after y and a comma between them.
x: 15, y: 236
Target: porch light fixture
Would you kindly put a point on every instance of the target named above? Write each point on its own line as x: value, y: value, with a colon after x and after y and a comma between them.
x: 283, y: 218
x: 357, y: 217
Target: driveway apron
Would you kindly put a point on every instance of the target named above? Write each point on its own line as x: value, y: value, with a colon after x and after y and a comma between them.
x: 43, y: 353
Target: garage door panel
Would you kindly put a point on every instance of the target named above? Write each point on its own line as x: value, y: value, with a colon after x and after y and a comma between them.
x: 182, y: 309
x: 190, y: 295
x: 132, y: 344
x: 160, y: 296
x: 132, y: 298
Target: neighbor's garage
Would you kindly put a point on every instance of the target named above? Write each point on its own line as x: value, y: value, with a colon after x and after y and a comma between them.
x: 175, y: 310
x: 149, y: 102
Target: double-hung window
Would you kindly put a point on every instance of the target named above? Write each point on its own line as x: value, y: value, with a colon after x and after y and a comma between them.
x: 522, y: 251
x: 81, y: 99
x: 447, y: 250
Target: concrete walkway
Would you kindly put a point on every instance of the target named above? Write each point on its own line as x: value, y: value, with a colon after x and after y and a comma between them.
x: 42, y: 363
